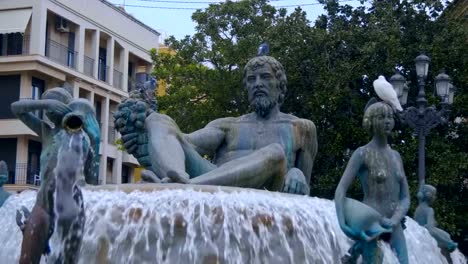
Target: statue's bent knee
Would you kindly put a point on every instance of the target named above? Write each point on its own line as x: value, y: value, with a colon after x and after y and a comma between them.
x: 276, y: 153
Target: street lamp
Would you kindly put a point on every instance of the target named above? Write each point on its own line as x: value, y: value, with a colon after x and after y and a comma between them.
x: 422, y: 65
x: 399, y: 84
x: 423, y: 118
x: 442, y: 84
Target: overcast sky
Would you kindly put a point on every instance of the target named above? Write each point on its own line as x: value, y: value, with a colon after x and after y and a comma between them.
x: 178, y: 22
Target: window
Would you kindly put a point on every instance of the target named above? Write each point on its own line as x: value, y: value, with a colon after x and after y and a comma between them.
x: 37, y: 91
x: 10, y: 93
x: 11, y: 44
x: 102, y: 67
x: 71, y: 50
x: 125, y: 174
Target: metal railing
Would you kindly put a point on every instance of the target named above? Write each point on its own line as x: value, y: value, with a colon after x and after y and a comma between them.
x: 103, y: 69
x: 88, y: 66
x: 24, y: 174
x: 117, y: 82
x: 61, y: 53
x: 17, y: 45
x: 111, y: 136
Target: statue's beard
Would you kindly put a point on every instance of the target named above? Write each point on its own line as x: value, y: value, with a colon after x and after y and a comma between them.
x: 262, y: 105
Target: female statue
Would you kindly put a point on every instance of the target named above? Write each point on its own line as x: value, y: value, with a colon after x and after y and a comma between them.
x: 424, y: 215
x: 383, y: 180
x: 58, y: 196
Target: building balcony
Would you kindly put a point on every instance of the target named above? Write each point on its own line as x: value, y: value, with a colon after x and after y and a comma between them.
x: 118, y: 79
x: 103, y: 69
x: 61, y: 53
x: 14, y: 44
x: 111, y: 138
x: 24, y: 174
x: 88, y: 66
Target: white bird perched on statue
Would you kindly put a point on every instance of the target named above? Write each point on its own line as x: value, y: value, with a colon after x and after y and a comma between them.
x: 386, y: 92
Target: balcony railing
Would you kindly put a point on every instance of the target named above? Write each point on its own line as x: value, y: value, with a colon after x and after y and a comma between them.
x: 16, y: 44
x: 103, y: 69
x: 117, y: 79
x: 111, y: 135
x: 88, y: 66
x: 24, y: 174
x: 61, y: 53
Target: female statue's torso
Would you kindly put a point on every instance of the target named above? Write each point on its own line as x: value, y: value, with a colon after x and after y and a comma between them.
x: 380, y: 176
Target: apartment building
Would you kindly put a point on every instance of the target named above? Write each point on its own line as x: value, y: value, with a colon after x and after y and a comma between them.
x: 95, y: 47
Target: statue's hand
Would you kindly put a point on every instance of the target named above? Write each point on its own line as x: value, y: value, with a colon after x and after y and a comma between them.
x: 295, y: 182
x: 58, y: 108
x: 388, y: 223
x: 349, y: 232
x: 149, y: 176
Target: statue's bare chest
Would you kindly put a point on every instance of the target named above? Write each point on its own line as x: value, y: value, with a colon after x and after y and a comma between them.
x: 247, y: 135
x: 382, y: 166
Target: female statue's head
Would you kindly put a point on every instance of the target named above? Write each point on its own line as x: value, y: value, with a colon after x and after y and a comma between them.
x: 59, y: 94
x: 378, y: 119
x: 427, y: 194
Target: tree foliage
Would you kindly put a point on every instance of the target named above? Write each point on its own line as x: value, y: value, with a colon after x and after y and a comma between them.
x: 330, y: 65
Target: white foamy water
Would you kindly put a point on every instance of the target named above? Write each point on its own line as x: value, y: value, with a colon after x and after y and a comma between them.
x: 187, y: 226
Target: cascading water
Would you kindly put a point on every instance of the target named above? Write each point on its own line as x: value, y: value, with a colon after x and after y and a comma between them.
x: 187, y: 226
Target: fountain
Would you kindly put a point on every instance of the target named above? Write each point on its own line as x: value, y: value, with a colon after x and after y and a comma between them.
x: 190, y: 222
x: 171, y: 223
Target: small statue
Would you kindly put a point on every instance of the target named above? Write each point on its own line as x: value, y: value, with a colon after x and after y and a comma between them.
x: 262, y: 149
x: 67, y: 118
x: 3, y: 179
x: 383, y: 181
x: 424, y: 215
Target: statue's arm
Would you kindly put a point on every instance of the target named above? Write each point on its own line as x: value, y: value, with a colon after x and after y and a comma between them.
x: 431, y: 222
x: 93, y: 131
x: 92, y: 168
x: 208, y: 139
x: 404, y: 196
x: 91, y: 127
x: 352, y: 169
x: 23, y: 108
x: 306, y: 156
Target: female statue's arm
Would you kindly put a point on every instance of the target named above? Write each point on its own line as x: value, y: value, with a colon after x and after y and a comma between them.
x: 23, y: 108
x: 431, y: 222
x: 91, y: 128
x: 404, y: 196
x: 349, y: 174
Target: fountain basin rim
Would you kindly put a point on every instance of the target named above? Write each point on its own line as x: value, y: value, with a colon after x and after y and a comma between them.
x: 154, y: 187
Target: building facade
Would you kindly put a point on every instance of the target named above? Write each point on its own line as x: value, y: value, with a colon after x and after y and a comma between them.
x: 95, y: 47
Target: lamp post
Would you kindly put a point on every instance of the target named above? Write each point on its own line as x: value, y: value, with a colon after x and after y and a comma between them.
x: 423, y: 118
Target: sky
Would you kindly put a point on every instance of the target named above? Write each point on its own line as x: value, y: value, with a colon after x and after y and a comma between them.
x: 173, y: 17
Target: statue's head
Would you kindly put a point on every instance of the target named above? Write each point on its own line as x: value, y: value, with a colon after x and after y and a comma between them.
x: 59, y: 94
x: 3, y: 173
x: 427, y: 194
x: 265, y: 81
x: 378, y: 119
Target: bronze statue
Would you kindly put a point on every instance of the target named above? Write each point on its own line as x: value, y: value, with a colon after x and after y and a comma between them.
x: 3, y: 179
x: 263, y: 149
x: 383, y: 180
x: 68, y: 120
x: 424, y: 215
